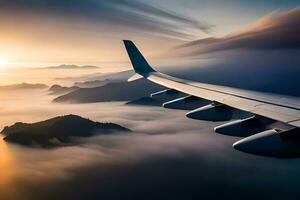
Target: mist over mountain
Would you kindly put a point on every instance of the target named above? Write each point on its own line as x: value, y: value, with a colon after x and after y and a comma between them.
x: 120, y: 91
x: 91, y: 84
x: 66, y: 66
x: 57, y: 130
x: 59, y: 90
x: 116, y: 76
x: 23, y: 86
x: 99, y: 76
x: 97, y: 80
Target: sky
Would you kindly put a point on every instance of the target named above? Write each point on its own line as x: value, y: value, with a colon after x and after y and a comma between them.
x: 90, y: 31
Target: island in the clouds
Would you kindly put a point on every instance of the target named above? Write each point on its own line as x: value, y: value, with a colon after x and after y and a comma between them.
x: 57, y: 131
x: 65, y: 66
x: 59, y: 90
x: 120, y: 91
x: 23, y: 86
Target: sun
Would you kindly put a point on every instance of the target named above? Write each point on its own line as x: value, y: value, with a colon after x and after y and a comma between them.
x: 3, y: 62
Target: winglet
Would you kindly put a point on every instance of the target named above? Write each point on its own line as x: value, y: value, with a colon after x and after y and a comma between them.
x: 139, y: 63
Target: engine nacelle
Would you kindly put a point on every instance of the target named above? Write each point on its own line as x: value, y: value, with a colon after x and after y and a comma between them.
x: 212, y: 112
x: 186, y: 103
x: 244, y: 127
x: 272, y: 143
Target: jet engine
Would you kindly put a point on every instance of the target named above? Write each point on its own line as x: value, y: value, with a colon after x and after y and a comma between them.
x: 274, y: 143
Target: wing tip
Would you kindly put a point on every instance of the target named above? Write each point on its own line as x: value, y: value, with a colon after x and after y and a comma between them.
x: 139, y: 63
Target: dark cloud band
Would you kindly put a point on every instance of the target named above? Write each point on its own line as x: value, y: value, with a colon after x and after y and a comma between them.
x: 274, y: 31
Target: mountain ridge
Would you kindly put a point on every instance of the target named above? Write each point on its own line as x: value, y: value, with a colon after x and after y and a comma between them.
x: 116, y: 91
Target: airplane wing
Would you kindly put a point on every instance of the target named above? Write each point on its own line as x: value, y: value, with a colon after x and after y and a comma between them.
x: 269, y: 123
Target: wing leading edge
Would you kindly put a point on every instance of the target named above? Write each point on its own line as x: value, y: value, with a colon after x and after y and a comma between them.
x: 285, y: 110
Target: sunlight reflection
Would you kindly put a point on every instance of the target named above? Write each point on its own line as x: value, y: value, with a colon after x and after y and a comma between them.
x: 7, y: 165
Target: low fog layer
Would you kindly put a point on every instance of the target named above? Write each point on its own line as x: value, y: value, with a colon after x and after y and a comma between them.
x: 168, y: 156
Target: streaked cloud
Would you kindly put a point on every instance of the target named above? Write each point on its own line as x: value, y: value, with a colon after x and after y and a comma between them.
x: 277, y: 30
x: 128, y: 13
